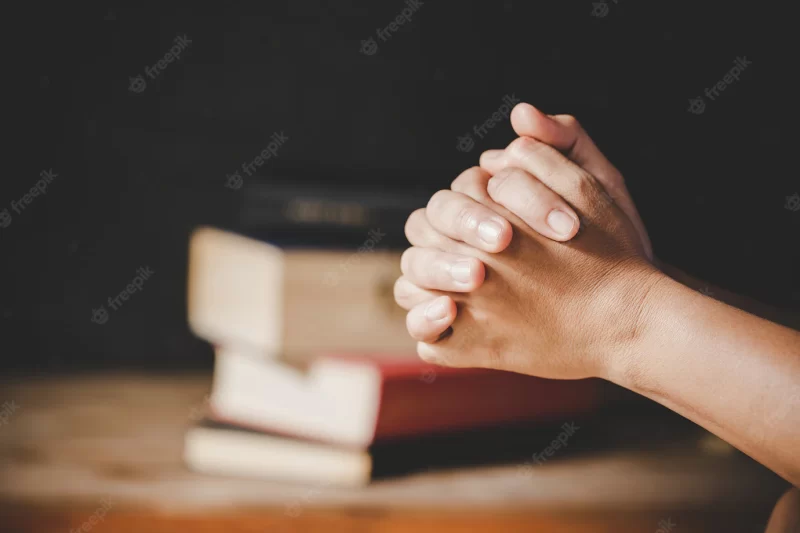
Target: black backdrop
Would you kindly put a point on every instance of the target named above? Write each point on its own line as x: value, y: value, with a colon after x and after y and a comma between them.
x: 136, y: 171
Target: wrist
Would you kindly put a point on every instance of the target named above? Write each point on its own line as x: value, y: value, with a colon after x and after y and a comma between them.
x: 644, y: 300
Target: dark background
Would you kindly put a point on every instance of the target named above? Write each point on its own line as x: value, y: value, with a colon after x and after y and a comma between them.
x: 137, y: 171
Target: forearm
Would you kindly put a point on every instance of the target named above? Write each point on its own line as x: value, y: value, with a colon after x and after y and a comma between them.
x: 757, y: 308
x: 735, y: 374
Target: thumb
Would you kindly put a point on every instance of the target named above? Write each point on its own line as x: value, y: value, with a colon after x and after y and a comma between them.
x: 564, y: 133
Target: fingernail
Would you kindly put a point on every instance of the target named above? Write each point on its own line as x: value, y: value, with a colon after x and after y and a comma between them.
x: 492, y: 154
x: 560, y: 222
x: 489, y: 231
x: 461, y: 271
x: 436, y: 310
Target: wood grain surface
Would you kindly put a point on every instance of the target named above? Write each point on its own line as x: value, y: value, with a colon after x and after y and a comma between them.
x: 103, y: 453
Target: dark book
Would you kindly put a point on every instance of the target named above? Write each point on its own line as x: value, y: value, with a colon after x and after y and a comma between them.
x: 331, y: 216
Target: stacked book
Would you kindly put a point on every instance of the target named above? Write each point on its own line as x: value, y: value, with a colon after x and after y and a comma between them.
x: 316, y: 379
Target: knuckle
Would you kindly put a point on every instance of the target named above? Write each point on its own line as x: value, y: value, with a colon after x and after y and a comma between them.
x: 433, y: 354
x: 400, y: 290
x: 423, y: 267
x: 516, y: 175
x: 440, y: 272
x: 434, y: 239
x: 570, y: 122
x: 420, y: 232
x: 510, y: 185
x: 524, y: 148
x: 466, y: 219
x: 472, y: 183
x: 426, y: 353
x: 406, y: 260
x: 464, y: 177
x: 431, y: 270
x: 477, y: 191
x: 437, y: 202
x: 498, y: 184
x: 415, y: 222
x: 585, y: 184
x: 414, y: 326
x: 532, y: 204
x: 411, y: 324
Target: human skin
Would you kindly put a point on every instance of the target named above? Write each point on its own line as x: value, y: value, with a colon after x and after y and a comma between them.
x: 596, y: 305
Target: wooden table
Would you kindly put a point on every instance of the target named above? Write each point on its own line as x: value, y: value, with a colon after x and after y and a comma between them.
x: 104, y: 452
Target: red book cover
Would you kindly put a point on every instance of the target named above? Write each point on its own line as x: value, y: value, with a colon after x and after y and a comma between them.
x: 418, y: 398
